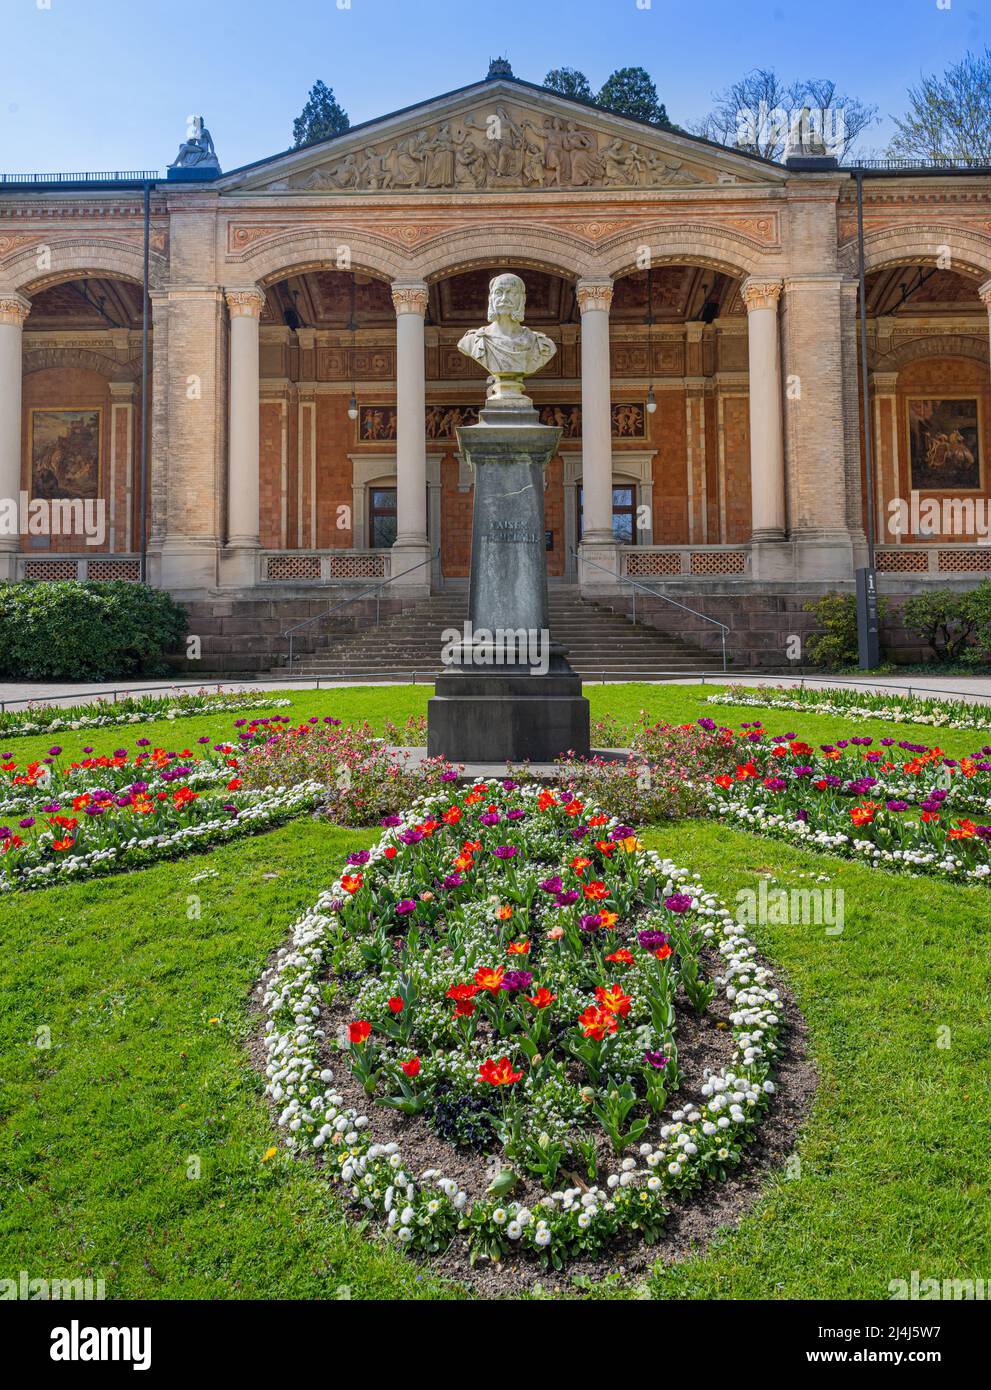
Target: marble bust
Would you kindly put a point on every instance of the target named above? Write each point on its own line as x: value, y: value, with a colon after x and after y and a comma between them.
x: 505, y: 348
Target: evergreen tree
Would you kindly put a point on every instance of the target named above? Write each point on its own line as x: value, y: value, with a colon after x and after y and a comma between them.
x: 570, y: 83
x: 320, y: 118
x: 631, y: 92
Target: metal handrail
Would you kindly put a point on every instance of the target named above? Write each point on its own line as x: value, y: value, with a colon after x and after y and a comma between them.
x: 376, y: 589
x: 656, y: 593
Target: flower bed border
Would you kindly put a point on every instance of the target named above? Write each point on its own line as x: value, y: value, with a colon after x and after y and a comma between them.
x: 905, y: 710
x: 167, y: 708
x: 425, y: 1213
x: 273, y: 807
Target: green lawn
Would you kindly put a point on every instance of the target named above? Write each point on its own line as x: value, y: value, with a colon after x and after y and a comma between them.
x: 147, y: 1083
x: 676, y: 703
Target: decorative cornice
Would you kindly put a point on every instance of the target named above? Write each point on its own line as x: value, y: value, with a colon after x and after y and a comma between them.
x: 594, y: 295
x: 14, y: 309
x: 246, y: 303
x: 410, y: 298
x: 760, y: 294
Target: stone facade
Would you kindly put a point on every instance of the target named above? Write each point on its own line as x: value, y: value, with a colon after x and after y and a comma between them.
x: 304, y: 383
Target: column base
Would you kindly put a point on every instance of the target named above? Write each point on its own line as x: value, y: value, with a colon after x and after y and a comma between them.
x: 181, y: 565
x: 598, y: 566
x: 237, y: 567
x: 508, y: 716
x: 405, y: 556
x: 8, y: 565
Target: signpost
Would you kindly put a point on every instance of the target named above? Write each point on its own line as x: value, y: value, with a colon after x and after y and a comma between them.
x: 868, y: 626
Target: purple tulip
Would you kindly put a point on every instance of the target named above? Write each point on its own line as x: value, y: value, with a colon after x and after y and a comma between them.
x: 657, y: 1060
x: 679, y: 902
x: 515, y: 980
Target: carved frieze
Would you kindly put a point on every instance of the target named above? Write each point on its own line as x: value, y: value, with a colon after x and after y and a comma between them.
x: 504, y: 146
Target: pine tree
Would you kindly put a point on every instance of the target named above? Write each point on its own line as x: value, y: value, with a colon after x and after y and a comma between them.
x: 631, y: 92
x: 320, y: 118
x: 570, y: 83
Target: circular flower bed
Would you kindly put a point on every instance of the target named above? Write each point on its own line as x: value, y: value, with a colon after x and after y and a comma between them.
x: 510, y: 970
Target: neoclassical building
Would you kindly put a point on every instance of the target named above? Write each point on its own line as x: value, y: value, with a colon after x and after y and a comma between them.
x: 302, y: 386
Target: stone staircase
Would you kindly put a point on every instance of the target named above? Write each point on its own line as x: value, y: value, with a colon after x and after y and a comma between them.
x: 597, y: 638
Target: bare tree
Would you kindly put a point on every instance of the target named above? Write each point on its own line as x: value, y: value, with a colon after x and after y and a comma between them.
x: 764, y: 115
x: 949, y: 117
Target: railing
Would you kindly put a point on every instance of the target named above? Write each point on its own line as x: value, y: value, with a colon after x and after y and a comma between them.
x: 655, y: 593
x: 376, y: 589
x: 907, y: 165
x: 322, y: 566
x: 931, y: 560
x: 53, y: 566
x: 90, y: 176
x: 691, y: 561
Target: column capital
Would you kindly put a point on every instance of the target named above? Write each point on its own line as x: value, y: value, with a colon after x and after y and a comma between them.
x: 594, y: 294
x: 985, y: 292
x: 245, y: 303
x: 14, y: 309
x: 760, y: 294
x: 410, y: 297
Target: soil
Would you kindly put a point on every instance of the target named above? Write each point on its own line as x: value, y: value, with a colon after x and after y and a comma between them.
x: 693, y: 1220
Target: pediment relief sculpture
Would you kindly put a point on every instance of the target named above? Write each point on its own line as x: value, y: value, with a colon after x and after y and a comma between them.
x: 504, y: 147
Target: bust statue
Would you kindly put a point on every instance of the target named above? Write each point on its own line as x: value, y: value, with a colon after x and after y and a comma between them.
x: 508, y: 351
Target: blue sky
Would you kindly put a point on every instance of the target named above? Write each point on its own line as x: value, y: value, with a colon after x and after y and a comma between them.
x: 107, y: 84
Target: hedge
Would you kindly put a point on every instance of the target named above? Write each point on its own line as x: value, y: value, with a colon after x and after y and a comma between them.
x: 86, y: 631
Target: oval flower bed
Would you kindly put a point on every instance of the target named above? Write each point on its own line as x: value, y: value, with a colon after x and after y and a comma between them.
x: 508, y: 969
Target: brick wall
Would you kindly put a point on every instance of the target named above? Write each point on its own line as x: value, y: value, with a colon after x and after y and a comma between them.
x: 78, y: 388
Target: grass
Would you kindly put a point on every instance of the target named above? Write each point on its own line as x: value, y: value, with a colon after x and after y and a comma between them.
x: 147, y: 1083
x: 133, y: 1145
x: 377, y: 704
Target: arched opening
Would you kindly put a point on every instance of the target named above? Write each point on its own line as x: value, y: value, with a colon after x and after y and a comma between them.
x: 681, y: 444
x: 82, y: 427
x: 928, y: 355
x: 327, y: 388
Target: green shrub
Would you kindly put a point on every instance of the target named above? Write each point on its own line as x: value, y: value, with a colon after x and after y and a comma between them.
x: 86, y: 632
x: 946, y: 621
x: 837, y: 645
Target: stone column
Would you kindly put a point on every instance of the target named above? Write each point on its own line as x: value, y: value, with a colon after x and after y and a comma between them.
x: 411, y: 544
x: 767, y: 455
x: 598, y: 543
x: 14, y: 309
x: 815, y: 431
x: 245, y: 307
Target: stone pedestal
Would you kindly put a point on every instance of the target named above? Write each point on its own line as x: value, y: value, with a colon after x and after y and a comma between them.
x: 509, y: 693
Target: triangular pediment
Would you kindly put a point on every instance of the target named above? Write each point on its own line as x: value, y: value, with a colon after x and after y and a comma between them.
x: 501, y: 136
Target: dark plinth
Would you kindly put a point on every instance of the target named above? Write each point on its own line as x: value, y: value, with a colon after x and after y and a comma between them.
x: 501, y: 712
x: 492, y: 716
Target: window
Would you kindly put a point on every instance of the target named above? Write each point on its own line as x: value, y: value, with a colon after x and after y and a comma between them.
x: 624, y: 513
x: 382, y: 521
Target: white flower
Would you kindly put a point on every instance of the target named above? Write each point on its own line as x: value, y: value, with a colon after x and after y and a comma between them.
x: 542, y: 1236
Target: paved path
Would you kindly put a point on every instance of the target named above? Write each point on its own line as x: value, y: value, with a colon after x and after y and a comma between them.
x: 15, y: 695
